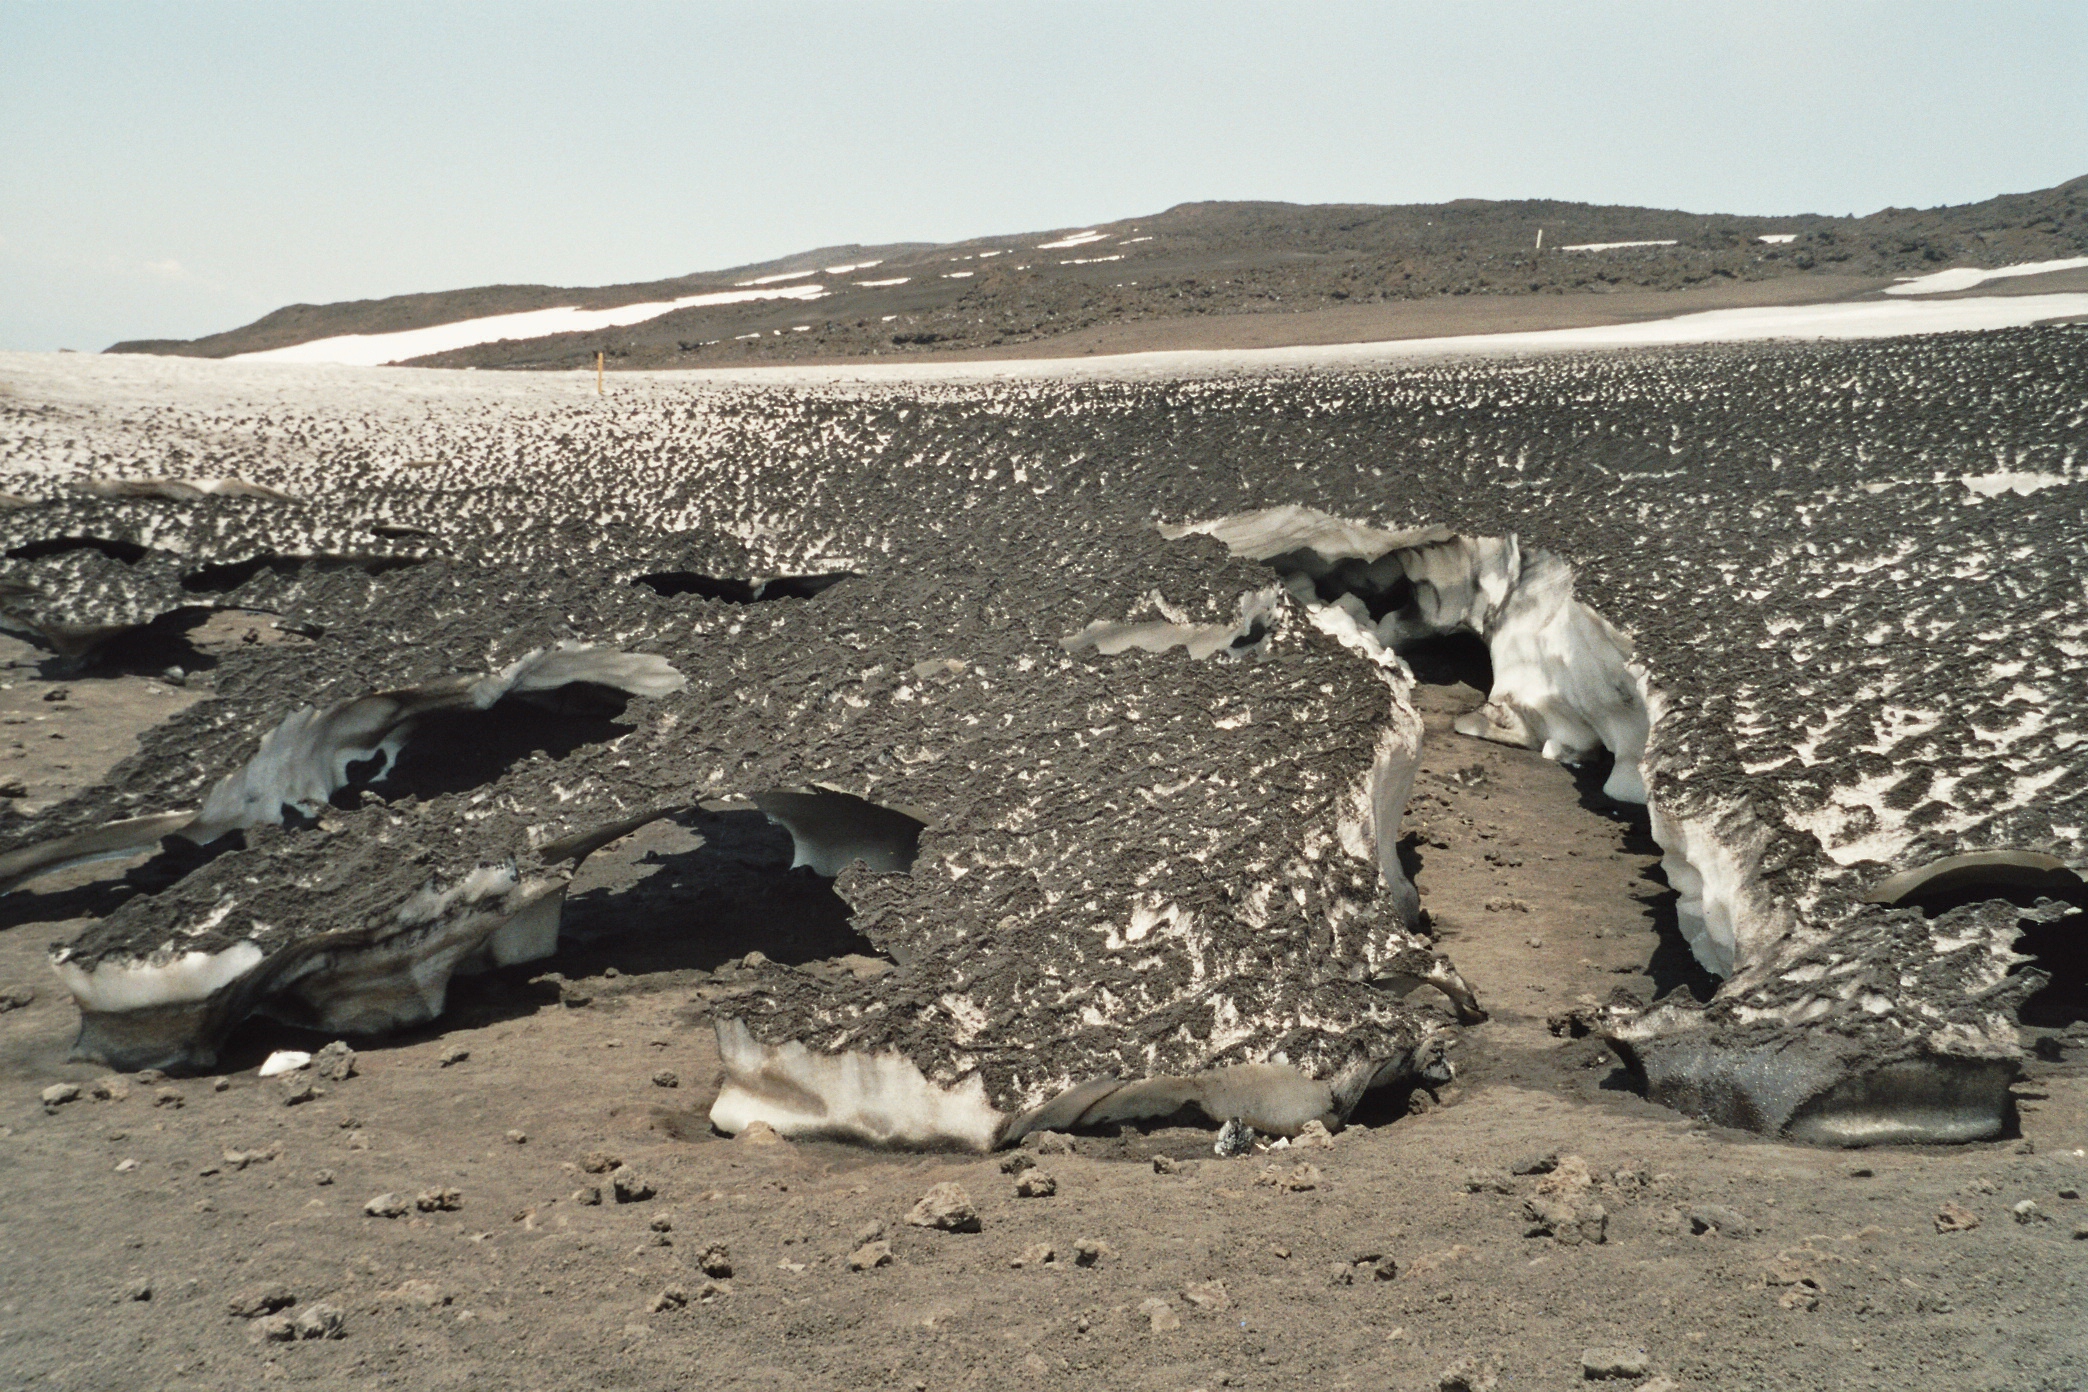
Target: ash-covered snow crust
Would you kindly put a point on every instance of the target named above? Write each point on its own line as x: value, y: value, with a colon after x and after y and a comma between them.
x: 1142, y: 864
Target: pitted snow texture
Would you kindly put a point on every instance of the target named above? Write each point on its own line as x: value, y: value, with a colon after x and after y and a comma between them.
x: 1864, y: 663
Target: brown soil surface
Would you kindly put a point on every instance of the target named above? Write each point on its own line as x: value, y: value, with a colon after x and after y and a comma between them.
x: 128, y: 1231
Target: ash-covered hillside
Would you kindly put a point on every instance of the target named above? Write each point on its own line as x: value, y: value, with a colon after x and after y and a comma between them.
x: 1193, y: 262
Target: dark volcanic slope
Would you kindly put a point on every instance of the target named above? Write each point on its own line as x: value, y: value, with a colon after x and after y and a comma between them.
x: 1199, y: 259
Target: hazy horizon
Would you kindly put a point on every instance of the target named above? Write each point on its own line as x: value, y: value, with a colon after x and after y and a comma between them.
x: 174, y: 170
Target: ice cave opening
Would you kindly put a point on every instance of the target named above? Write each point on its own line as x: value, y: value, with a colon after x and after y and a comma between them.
x: 2052, y: 935
x: 669, y: 583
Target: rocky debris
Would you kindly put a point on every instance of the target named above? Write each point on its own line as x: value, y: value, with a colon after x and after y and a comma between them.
x: 260, y: 1300
x: 1015, y: 1162
x: 283, y: 1061
x: 716, y: 1262
x: 1296, y: 1180
x: 1236, y: 1137
x: 2080, y: 1232
x: 168, y: 1097
x: 758, y: 1133
x: 629, y: 1186
x: 321, y: 1321
x: 1053, y: 1143
x: 1314, y: 1135
x: 1537, y: 1164
x: 438, y: 1200
x: 870, y: 1255
x: 274, y: 1329
x: 1951, y: 1218
x: 946, y: 1208
x: 1484, y: 1181
x: 1089, y: 1251
x: 1036, y: 1184
x: 1166, y: 1164
x: 334, y: 1063
x: 588, y: 1195
x: 1468, y: 1374
x: 1719, y: 1219
x: 1036, y: 1254
x: 1208, y: 1296
x: 322, y: 1178
x: 666, y: 1078
x: 1510, y: 905
x: 58, y: 1094
x: 388, y: 1205
x: 239, y: 1159
x: 109, y: 1088
x: 126, y: 1166
x: 599, y: 1162
x: 1564, y: 1207
x: 517, y: 1137
x: 418, y: 1293
x: 1603, y: 1363
x: 671, y: 1298
x: 136, y: 1289
x: 300, y: 1090
x: 2027, y: 1211
x: 454, y: 1054
x: 1368, y: 1265
x: 15, y: 997
x: 1160, y: 1316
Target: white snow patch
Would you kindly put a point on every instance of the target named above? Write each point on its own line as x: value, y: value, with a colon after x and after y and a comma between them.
x: 852, y: 266
x: 1777, y: 238
x: 1615, y: 246
x: 879, y: 1098
x: 284, y: 1061
x: 374, y: 350
x: 876, y: 284
x: 138, y: 985
x: 1077, y: 239
x: 774, y: 279
x: 2019, y: 483
x: 1965, y: 277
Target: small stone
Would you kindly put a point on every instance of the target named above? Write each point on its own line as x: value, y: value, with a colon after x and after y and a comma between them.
x: 174, y: 676
x: 661, y: 1225
x: 518, y: 1138
x: 275, y: 1329
x: 221, y: 1085
x: 870, y: 1256
x: 869, y: 1232
x: 126, y: 1166
x: 1236, y: 1137
x: 667, y: 1078
x: 2028, y: 1212
x: 716, y: 1262
x: 137, y: 1290
x: 321, y: 1321
x: 2081, y: 1232
x: 58, y: 1094
x: 946, y: 1208
x: 1300, y: 1178
x: 1016, y: 1162
x: 322, y: 1178
x: 1482, y: 1181
x: 1599, y: 1363
x: 387, y: 1205
x: 1166, y: 1164
x: 600, y: 1162
x: 1090, y: 1251
x: 672, y: 1298
x: 149, y: 1076
x: 1036, y: 1184
x: 1860, y: 1172
x: 335, y: 1063
x: 421, y: 1294
x: 1036, y: 1254
x: 759, y: 1133
x: 588, y: 1195
x: 1314, y: 1135
x: 454, y: 1054
x: 1542, y: 1164
x: 58, y: 693
x: 1053, y: 1143
x: 260, y: 1300
x: 1717, y: 1218
x: 1950, y: 1218
x: 300, y: 1091
x: 1209, y: 1296
x: 1160, y: 1315
x: 110, y: 1088
x: 14, y: 788
x: 438, y: 1200
x: 2069, y: 1191
x: 631, y: 1187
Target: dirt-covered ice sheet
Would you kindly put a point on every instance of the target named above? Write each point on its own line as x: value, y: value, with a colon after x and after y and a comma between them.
x: 1853, y: 659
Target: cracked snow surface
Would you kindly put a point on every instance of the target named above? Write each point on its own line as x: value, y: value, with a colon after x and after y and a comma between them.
x: 1157, y: 786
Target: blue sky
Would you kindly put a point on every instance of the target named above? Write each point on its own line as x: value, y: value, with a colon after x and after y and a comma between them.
x: 170, y: 169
